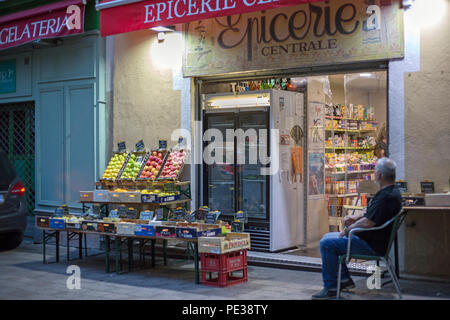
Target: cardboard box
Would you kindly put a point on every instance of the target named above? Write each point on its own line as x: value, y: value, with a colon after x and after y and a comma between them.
x: 218, y: 245
x: 106, y: 227
x: 89, y: 225
x: 115, y: 196
x: 125, y: 228
x: 437, y: 199
x: 86, y: 196
x: 165, y: 231
x: 57, y: 223
x: 73, y: 225
x: 149, y: 198
x: 43, y: 221
x: 101, y: 196
x: 131, y: 196
x: 144, y: 230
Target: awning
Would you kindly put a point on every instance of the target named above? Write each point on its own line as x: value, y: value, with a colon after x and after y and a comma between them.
x: 119, y: 16
x: 58, y: 19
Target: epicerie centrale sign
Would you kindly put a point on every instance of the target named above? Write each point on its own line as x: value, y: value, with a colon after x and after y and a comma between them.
x: 319, y: 33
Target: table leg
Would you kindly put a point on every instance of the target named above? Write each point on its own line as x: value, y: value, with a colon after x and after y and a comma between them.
x: 130, y: 254
x: 153, y: 252
x: 57, y: 245
x: 85, y: 245
x: 44, y: 240
x: 80, y: 245
x: 165, y: 251
x: 67, y: 246
x: 196, y: 268
x: 107, y: 254
x: 116, y: 253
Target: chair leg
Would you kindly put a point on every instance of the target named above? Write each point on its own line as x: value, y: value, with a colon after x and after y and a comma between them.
x: 338, y: 293
x: 394, y: 278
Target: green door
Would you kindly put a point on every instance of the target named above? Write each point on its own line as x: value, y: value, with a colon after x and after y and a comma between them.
x: 17, y: 140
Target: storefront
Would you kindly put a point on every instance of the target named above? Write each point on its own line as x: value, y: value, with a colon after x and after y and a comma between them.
x: 327, y: 75
x: 52, y: 99
x: 322, y: 68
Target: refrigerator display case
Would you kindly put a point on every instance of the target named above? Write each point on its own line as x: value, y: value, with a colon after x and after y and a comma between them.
x: 253, y: 169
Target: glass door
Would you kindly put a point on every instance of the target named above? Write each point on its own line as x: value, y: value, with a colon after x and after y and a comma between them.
x: 252, y: 187
x: 220, y: 178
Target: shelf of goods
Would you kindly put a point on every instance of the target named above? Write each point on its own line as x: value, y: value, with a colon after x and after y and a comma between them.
x: 349, y: 154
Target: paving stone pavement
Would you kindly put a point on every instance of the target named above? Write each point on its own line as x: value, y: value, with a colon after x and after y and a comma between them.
x: 24, y: 276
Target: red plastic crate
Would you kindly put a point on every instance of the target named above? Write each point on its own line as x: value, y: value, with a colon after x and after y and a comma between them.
x: 223, y: 279
x: 227, y: 262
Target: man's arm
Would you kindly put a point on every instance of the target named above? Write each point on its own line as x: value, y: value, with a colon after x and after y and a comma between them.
x: 363, y: 222
x: 349, y: 220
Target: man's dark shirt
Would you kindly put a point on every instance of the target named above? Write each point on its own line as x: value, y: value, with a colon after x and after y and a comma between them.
x: 385, y: 205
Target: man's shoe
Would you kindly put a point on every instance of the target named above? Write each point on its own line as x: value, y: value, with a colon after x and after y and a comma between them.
x: 347, y: 284
x: 325, y: 294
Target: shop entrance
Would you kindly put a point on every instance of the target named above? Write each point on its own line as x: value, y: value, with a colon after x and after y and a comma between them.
x: 17, y: 140
x: 344, y: 123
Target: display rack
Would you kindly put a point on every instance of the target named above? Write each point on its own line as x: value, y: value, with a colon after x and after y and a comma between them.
x: 346, y: 135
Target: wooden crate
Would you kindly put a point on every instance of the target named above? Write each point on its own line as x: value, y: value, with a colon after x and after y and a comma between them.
x: 232, y: 241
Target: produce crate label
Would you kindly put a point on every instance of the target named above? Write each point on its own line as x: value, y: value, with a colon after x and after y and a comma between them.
x: 165, y: 231
x: 144, y: 230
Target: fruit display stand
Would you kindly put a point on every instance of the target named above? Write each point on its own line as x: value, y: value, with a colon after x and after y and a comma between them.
x: 112, y: 230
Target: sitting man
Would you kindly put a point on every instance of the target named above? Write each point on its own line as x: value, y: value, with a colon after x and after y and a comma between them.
x: 385, y: 205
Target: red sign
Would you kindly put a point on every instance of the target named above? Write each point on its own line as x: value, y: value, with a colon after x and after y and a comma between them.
x: 148, y: 14
x: 55, y: 20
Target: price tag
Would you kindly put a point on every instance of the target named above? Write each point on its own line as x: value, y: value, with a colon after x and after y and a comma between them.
x: 113, y: 214
x: 427, y: 187
x: 146, y: 215
x: 402, y: 186
x: 121, y: 146
x: 189, y: 217
x: 159, y: 214
x: 237, y: 226
x: 241, y: 216
x: 122, y: 212
x: 163, y: 144
x: 140, y: 145
x: 131, y: 213
x: 211, y: 218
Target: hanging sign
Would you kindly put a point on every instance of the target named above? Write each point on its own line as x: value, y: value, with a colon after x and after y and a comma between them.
x: 147, y: 14
x: 59, y: 19
x: 319, y: 33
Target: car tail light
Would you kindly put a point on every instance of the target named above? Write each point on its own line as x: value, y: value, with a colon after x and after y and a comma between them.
x: 18, y: 189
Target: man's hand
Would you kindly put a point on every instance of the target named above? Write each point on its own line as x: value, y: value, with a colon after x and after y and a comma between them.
x: 342, y: 234
x: 349, y: 220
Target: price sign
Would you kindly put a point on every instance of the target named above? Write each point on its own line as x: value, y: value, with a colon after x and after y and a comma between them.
x: 210, y: 218
x: 427, y: 187
x: 189, y: 217
x: 237, y: 226
x: 122, y: 212
x: 159, y: 214
x: 402, y: 186
x: 131, y: 213
x: 163, y: 144
x: 113, y: 214
x: 241, y: 216
x: 146, y: 215
x: 140, y: 145
x: 121, y: 146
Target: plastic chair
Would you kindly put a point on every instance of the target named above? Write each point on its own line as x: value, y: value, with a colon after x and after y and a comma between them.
x: 396, y: 221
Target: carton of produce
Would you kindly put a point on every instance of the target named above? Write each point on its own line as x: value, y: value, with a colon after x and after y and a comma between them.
x: 232, y: 241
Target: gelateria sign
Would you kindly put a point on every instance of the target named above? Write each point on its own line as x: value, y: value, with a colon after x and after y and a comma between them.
x: 321, y: 33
